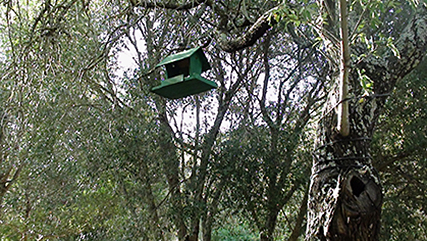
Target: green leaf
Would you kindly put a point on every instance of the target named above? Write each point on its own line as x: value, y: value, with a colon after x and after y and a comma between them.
x: 366, y: 83
x: 393, y: 47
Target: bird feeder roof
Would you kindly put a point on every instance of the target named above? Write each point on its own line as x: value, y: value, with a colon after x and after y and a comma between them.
x: 187, y: 54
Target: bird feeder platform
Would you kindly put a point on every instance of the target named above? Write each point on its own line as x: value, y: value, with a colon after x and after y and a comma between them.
x: 183, y: 75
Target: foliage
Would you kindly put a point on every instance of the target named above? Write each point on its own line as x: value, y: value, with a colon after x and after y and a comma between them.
x: 401, y: 158
x: 88, y: 153
x: 67, y: 112
x: 234, y: 228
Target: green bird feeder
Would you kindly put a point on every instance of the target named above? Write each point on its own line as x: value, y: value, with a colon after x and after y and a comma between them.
x: 183, y: 75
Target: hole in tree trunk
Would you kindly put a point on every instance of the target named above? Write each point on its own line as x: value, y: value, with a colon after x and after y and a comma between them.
x: 357, y: 186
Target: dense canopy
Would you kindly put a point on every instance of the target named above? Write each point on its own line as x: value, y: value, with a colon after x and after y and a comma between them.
x: 88, y: 152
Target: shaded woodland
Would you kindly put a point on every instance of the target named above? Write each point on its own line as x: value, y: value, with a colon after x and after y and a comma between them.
x: 88, y: 152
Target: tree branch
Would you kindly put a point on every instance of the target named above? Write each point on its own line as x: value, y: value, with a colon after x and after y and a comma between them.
x: 412, y: 46
x: 167, y: 5
x: 264, y: 111
x: 258, y: 29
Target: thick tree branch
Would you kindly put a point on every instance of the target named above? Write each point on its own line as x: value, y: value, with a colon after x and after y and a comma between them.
x: 255, y: 32
x: 412, y: 46
x: 258, y: 29
x: 167, y: 4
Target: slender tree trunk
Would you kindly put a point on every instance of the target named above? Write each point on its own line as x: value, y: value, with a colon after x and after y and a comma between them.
x: 212, y: 210
x: 267, y: 233
x: 151, y: 201
x: 273, y: 194
x: 200, y: 174
x: 207, y: 230
x: 200, y: 179
x: 171, y: 168
x: 296, y: 232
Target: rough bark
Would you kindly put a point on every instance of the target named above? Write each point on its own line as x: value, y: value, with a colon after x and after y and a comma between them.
x: 345, y: 193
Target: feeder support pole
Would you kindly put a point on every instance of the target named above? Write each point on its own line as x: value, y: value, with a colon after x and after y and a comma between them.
x: 343, y: 113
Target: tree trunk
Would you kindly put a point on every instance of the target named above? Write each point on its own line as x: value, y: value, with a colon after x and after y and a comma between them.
x: 296, y: 232
x: 171, y: 167
x: 267, y: 234
x: 212, y: 210
x: 345, y: 194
